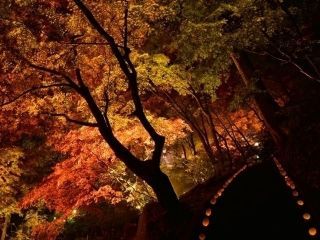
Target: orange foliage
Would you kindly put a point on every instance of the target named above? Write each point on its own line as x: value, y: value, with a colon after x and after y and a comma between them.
x: 83, y: 178
x: 48, y: 230
x: 247, y: 121
x: 76, y: 182
x: 240, y: 123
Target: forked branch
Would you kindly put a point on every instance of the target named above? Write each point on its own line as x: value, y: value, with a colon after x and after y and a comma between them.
x: 128, y: 69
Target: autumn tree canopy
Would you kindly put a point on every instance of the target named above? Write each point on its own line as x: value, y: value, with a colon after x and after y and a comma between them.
x: 101, y: 101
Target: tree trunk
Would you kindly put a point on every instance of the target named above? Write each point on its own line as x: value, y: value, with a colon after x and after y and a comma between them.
x: 207, y: 149
x: 203, y: 139
x: 184, y: 150
x: 192, y: 145
x: 5, y: 226
x: 262, y: 99
x: 147, y: 170
x: 214, y: 135
x: 163, y: 189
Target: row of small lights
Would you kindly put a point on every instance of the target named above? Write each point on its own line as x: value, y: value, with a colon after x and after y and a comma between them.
x: 312, y: 231
x: 214, y: 199
x: 289, y: 182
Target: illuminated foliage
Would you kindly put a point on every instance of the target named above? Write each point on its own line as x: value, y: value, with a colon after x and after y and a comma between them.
x: 10, y: 180
x: 100, y: 98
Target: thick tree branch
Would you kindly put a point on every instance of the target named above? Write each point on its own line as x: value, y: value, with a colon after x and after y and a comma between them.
x: 33, y: 89
x: 119, y: 149
x: 128, y: 69
x: 113, y: 45
x: 84, y: 91
x: 75, y: 121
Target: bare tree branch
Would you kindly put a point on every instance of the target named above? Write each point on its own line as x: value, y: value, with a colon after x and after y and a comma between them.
x: 119, y: 149
x: 289, y: 59
x: 45, y: 69
x: 266, y: 53
x: 188, y: 118
x: 313, y: 65
x: 33, y: 89
x: 75, y: 121
x: 84, y: 91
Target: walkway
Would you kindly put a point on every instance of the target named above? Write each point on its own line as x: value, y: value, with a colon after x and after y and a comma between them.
x: 257, y: 205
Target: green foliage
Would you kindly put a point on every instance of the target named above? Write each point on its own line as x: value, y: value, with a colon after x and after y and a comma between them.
x: 157, y: 68
x: 197, y: 48
x: 187, y: 173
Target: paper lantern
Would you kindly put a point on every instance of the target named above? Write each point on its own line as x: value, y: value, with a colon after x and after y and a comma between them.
x: 202, y: 236
x: 292, y: 186
x: 208, y: 212
x: 306, y: 216
x: 300, y: 202
x: 205, y: 222
x: 312, y: 231
x: 295, y: 193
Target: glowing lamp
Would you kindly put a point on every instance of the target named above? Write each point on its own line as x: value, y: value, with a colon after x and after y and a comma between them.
x: 213, y: 201
x: 208, y: 212
x: 295, y: 193
x: 202, y: 236
x: 312, y: 231
x: 306, y: 216
x: 205, y: 222
x: 300, y: 202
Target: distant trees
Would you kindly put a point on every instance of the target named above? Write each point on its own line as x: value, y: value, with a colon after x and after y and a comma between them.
x: 216, y: 38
